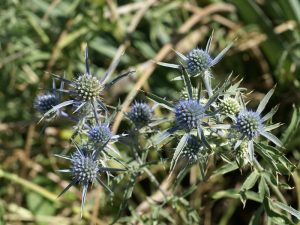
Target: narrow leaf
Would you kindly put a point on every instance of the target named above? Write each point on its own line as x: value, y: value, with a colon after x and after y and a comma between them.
x: 221, y: 54
x: 182, y: 143
x: 264, y: 101
x: 159, y: 100
x: 170, y: 65
x: 272, y: 138
x: 250, y: 181
x: 187, y: 83
x: 287, y: 208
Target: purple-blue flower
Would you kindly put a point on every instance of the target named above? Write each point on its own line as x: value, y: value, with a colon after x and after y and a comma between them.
x: 140, y: 114
x: 85, y: 170
x: 188, y: 114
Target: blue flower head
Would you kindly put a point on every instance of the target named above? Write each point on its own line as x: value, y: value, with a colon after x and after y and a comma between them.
x: 188, y: 114
x: 141, y: 114
x: 249, y: 124
x: 198, y: 61
x: 87, y: 89
x: 192, y: 149
x: 100, y: 134
x: 85, y: 170
x: 46, y: 102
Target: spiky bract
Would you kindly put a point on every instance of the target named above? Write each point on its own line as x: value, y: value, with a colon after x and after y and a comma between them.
x: 188, y: 114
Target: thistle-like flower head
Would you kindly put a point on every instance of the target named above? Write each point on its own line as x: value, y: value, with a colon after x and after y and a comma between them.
x: 185, y: 95
x: 198, y: 61
x: 192, y: 149
x: 85, y: 170
x: 46, y: 102
x: 249, y: 124
x: 188, y: 114
x: 100, y: 134
x: 230, y: 106
x: 87, y: 87
x: 141, y: 114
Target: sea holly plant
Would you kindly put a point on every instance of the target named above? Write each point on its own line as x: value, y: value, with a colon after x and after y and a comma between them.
x: 210, y: 129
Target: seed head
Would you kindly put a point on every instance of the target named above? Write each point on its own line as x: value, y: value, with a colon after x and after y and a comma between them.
x: 140, y: 114
x: 188, y: 114
x: 230, y: 106
x: 88, y: 87
x: 249, y: 124
x: 100, y: 134
x: 44, y: 103
x: 192, y: 149
x: 198, y: 61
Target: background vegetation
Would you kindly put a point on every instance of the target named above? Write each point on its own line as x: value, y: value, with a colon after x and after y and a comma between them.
x: 38, y: 38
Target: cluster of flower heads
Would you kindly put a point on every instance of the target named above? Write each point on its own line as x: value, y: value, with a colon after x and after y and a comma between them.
x: 216, y: 113
x: 202, y: 119
x: 84, y: 105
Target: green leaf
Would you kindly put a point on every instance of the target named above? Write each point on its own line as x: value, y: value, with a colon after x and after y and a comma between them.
x: 161, y: 137
x: 274, y: 216
x: 264, y: 101
x: 182, y: 143
x: 227, y: 168
x: 39, y: 205
x: 71, y: 37
x: 188, y: 84
x: 263, y: 189
x: 292, y: 129
x: 235, y: 193
x: 159, y: 100
x: 287, y: 208
x: 256, y: 218
x: 250, y: 181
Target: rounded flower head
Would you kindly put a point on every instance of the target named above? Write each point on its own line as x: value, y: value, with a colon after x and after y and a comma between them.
x: 88, y: 87
x: 100, y: 134
x: 188, y: 114
x: 44, y: 103
x: 230, y: 106
x: 192, y: 149
x: 249, y: 124
x: 185, y: 95
x: 84, y: 169
x: 198, y: 61
x: 140, y: 114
